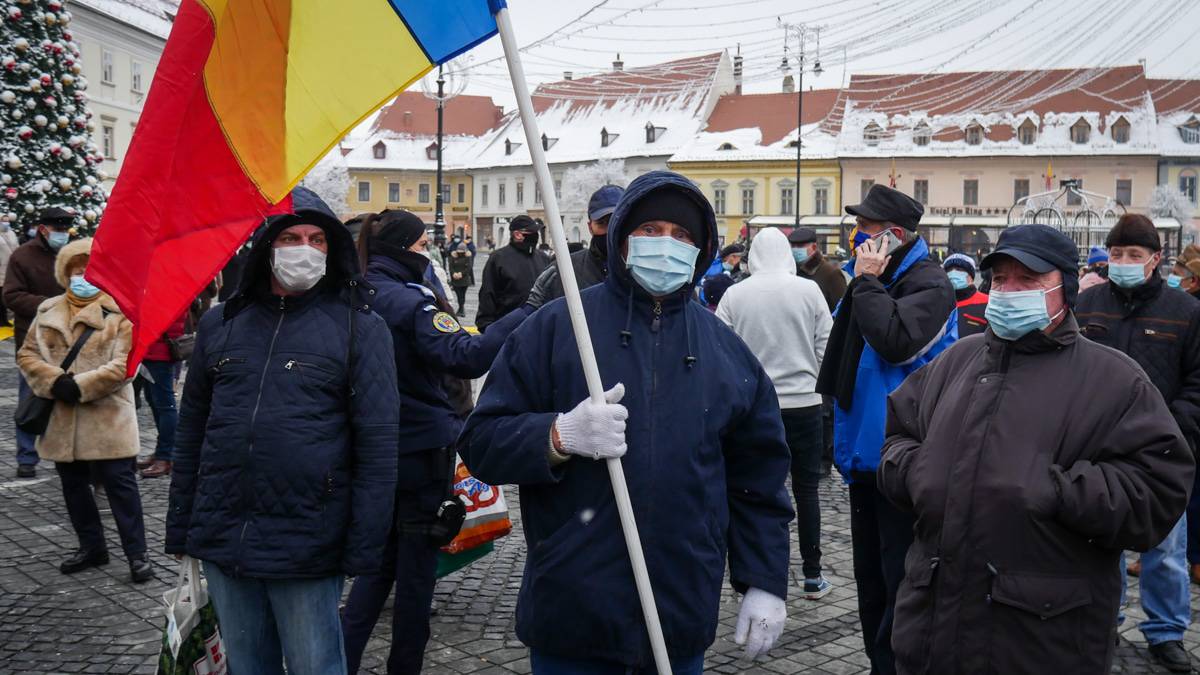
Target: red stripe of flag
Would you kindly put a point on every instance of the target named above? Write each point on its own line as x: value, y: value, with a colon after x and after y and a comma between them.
x: 182, y: 204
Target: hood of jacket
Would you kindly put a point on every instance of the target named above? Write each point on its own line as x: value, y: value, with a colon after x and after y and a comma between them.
x: 341, y: 266
x: 74, y: 249
x: 770, y: 253
x: 618, y: 229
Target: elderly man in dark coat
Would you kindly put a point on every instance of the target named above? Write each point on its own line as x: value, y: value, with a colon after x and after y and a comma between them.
x: 1031, y: 458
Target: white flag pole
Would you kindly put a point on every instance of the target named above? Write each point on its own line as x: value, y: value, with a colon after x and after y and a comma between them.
x: 583, y: 340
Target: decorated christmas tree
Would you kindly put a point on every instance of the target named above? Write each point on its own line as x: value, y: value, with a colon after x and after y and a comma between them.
x: 47, y: 157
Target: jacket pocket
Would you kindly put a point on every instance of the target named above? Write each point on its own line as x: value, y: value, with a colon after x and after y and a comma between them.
x: 1038, y: 622
x: 311, y: 373
x: 914, y: 613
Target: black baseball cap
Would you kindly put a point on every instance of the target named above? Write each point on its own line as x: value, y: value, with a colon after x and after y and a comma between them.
x: 802, y: 235
x: 885, y: 204
x: 1041, y: 248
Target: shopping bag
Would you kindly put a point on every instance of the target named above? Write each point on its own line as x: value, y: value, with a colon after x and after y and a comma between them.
x: 449, y: 563
x: 191, y: 642
x: 487, y: 513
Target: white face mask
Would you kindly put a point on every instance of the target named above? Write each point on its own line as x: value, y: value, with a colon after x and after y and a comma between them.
x: 297, y: 268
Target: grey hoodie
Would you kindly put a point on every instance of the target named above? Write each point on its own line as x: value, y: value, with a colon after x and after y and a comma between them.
x: 783, y: 318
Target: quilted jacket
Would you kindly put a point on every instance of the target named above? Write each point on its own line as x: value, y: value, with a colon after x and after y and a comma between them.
x: 285, y: 458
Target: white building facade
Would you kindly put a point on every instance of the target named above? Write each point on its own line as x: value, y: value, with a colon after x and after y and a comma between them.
x: 121, y: 42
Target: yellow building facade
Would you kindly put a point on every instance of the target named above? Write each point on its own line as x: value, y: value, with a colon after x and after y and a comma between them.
x: 373, y: 190
x: 739, y: 190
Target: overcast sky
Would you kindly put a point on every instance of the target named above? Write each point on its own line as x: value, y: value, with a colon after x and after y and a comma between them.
x: 857, y: 36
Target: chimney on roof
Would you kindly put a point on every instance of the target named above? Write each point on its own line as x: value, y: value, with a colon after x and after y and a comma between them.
x: 568, y: 75
x: 737, y: 74
x: 789, y: 84
x: 618, y: 65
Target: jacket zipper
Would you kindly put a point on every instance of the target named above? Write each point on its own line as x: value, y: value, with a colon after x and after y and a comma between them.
x: 254, y: 416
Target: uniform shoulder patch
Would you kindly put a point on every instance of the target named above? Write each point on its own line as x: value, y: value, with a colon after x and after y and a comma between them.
x: 446, y: 323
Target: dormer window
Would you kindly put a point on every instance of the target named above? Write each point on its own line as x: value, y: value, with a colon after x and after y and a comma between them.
x: 1189, y: 131
x: 1081, y: 131
x: 727, y: 146
x: 1120, y: 130
x: 510, y: 147
x: 974, y: 133
x: 607, y: 139
x: 379, y: 151
x: 548, y: 142
x: 431, y: 151
x: 871, y: 134
x: 922, y: 134
x: 654, y: 133
x: 1027, y: 132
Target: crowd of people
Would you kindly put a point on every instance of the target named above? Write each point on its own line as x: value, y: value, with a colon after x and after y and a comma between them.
x: 1007, y: 427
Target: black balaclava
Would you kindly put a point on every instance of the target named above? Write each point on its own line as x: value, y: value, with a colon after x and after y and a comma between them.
x: 395, y: 233
x: 599, y: 243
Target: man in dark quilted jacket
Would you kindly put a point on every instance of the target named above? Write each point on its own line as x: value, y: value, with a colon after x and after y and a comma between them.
x: 285, y: 460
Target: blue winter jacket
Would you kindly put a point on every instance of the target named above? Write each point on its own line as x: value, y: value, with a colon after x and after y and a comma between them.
x: 285, y: 455
x: 912, y: 318
x: 429, y: 344
x: 706, y: 463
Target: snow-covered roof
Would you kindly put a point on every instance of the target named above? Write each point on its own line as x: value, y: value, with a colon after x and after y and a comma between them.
x: 758, y: 127
x: 1177, y: 103
x: 408, y: 152
x: 576, y: 115
x: 153, y: 16
x: 980, y: 114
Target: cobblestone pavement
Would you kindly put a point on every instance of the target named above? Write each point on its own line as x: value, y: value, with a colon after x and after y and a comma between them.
x: 98, y: 622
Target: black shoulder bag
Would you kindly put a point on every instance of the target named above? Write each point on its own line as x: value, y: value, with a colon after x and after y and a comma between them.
x: 33, y: 414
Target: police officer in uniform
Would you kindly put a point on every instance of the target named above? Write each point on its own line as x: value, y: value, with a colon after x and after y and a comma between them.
x: 432, y: 351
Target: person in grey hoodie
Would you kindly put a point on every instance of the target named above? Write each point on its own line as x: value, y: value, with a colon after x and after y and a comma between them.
x: 785, y: 321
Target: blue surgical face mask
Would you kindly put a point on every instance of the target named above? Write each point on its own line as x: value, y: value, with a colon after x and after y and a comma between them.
x: 1174, y: 280
x: 80, y: 288
x: 661, y: 265
x: 1127, y: 275
x: 31, y: 232
x: 958, y: 279
x: 800, y: 254
x: 727, y: 267
x: 58, y: 240
x: 1013, y: 314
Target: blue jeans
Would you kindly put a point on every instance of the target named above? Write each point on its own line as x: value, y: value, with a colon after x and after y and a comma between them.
x: 545, y: 664
x: 1166, y: 597
x: 265, y: 621
x: 26, y: 451
x: 161, y: 396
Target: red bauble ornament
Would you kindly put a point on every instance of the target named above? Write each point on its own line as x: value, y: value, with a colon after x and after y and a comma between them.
x: 14, y: 14
x: 55, y: 5
x: 11, y: 193
x: 45, y: 80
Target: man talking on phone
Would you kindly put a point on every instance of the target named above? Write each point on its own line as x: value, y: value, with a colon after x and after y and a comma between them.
x: 897, y: 315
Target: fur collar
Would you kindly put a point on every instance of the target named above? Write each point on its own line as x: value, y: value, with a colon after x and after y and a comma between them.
x: 56, y: 313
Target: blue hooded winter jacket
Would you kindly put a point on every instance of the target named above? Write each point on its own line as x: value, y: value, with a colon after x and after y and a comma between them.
x: 706, y: 463
x: 285, y: 456
x: 906, y: 316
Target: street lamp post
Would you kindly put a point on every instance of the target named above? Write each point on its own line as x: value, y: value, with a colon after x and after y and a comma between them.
x: 801, y: 31
x: 451, y: 80
x: 439, y: 216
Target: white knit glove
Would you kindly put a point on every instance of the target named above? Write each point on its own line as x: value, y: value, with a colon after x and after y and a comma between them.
x: 596, y: 431
x: 760, y: 622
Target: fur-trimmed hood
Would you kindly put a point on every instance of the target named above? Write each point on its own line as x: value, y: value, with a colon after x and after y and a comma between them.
x: 62, y: 261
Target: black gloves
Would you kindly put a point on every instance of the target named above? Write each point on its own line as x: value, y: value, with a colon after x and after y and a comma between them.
x: 64, y: 389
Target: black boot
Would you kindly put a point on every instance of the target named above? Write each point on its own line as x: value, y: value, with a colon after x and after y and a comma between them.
x: 140, y: 570
x: 1172, y: 656
x: 83, y: 559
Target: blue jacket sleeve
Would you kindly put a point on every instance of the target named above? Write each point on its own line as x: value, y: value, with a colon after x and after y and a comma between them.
x: 506, y: 439
x: 189, y: 438
x: 459, y: 353
x: 757, y: 462
x: 375, y: 422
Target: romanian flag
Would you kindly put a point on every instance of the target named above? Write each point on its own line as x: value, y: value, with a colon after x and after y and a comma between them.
x: 1049, y: 175
x: 248, y: 96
